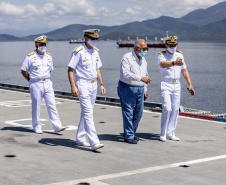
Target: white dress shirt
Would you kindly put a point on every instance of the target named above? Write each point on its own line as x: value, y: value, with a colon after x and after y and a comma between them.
x: 132, y: 69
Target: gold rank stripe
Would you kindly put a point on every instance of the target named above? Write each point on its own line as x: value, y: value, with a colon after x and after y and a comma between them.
x: 31, y: 53
x: 78, y: 48
x: 96, y: 49
x: 48, y: 53
x: 162, y: 52
x: 180, y: 51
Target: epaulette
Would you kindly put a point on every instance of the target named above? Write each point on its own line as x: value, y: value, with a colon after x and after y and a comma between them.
x: 162, y: 52
x: 96, y: 49
x: 78, y: 48
x: 180, y: 51
x: 49, y: 53
x: 31, y: 53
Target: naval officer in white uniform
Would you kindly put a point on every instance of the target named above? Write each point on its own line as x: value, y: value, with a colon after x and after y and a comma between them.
x: 171, y: 65
x: 83, y: 73
x: 36, y: 69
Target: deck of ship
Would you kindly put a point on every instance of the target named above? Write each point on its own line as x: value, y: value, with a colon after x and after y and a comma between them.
x: 49, y: 158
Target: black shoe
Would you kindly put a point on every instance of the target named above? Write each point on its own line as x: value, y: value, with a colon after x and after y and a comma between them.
x: 131, y: 141
x: 136, y: 138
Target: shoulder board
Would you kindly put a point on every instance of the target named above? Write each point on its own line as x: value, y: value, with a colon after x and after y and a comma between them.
x: 78, y: 48
x: 31, y: 53
x: 179, y: 51
x: 162, y: 52
x: 96, y: 49
x: 49, y: 53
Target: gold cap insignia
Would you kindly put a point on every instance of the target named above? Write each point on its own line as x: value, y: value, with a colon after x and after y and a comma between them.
x: 41, y: 39
x: 92, y: 33
x: 172, y: 41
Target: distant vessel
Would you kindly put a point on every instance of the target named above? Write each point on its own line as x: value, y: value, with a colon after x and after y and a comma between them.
x: 150, y: 45
x: 79, y: 41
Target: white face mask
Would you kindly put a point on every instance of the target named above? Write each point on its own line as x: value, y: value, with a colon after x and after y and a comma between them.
x: 42, y: 49
x: 172, y: 50
x: 92, y: 43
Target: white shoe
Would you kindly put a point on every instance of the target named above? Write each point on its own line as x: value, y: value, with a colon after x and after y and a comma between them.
x: 97, y: 146
x: 59, y: 129
x: 162, y: 138
x: 38, y: 131
x: 84, y: 143
x: 173, y: 138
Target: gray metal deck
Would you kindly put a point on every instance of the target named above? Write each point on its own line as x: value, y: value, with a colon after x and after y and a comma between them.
x: 29, y: 158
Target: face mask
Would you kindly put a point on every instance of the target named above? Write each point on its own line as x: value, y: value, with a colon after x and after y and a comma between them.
x: 143, y: 53
x: 172, y: 50
x: 92, y: 43
x: 42, y: 49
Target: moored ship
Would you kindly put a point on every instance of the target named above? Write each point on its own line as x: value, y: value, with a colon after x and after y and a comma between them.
x: 79, y: 41
x: 150, y: 45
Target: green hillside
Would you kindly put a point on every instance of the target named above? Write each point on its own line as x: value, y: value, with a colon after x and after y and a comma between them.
x: 201, y: 24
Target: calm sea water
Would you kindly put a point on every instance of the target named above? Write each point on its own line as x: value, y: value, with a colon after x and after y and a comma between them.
x: 205, y: 62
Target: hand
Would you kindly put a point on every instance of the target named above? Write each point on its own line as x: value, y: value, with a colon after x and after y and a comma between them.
x: 103, y: 90
x: 74, y: 91
x: 145, y: 95
x: 178, y: 62
x: 146, y: 79
x: 191, y: 88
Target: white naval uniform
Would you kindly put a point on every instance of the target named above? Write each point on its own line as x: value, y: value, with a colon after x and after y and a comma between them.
x: 85, y: 62
x: 40, y: 86
x: 170, y: 91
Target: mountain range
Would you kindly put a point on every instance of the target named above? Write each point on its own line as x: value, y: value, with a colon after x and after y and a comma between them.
x: 201, y: 24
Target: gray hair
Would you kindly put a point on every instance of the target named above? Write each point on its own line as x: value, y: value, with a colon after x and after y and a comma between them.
x: 137, y: 43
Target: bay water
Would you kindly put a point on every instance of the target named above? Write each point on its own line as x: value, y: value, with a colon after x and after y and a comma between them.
x: 205, y: 62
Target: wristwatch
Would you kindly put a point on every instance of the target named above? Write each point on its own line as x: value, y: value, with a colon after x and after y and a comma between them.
x: 173, y: 63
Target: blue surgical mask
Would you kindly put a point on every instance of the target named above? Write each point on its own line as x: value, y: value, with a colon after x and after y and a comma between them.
x: 143, y: 53
x: 92, y: 43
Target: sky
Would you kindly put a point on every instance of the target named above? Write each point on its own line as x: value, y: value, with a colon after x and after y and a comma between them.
x: 27, y: 17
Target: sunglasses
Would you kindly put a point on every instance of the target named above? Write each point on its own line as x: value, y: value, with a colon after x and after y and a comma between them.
x: 42, y: 44
x: 93, y: 38
x: 143, y: 49
x: 172, y: 45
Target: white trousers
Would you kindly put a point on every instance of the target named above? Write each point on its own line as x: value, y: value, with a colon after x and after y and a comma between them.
x: 170, y: 93
x: 87, y: 98
x: 38, y: 91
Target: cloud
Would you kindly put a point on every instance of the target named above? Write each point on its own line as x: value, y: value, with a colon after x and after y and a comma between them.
x: 53, y: 14
x: 175, y: 8
x: 136, y: 10
x: 53, y: 7
x: 10, y: 10
x: 48, y: 14
x: 74, y: 7
x: 131, y: 11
